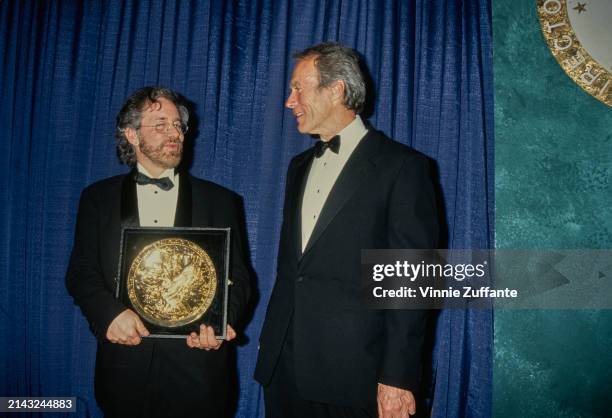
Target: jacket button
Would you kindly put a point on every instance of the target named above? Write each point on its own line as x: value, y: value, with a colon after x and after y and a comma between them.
x: 300, y: 278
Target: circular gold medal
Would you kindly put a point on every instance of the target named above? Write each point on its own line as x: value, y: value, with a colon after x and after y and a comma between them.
x: 172, y: 282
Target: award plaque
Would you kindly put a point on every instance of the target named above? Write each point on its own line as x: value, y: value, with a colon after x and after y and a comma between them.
x: 175, y: 278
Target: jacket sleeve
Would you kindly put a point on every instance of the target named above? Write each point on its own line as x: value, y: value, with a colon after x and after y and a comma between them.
x: 84, y: 278
x: 412, y: 224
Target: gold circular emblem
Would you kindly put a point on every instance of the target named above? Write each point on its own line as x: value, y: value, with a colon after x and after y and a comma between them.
x: 172, y: 282
x: 578, y: 33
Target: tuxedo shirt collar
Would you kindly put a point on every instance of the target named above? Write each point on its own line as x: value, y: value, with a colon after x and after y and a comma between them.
x: 350, y: 136
x: 323, y: 173
x: 171, y: 173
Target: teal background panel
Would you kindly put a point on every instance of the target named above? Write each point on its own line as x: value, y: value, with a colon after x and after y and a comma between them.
x: 553, y: 190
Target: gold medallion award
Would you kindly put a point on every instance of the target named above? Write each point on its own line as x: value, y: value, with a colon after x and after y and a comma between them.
x: 579, y: 35
x: 171, y: 282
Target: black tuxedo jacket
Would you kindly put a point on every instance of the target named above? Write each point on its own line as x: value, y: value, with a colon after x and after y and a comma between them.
x: 383, y: 198
x: 124, y: 373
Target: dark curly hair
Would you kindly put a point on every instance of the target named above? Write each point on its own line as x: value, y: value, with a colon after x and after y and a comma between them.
x: 130, y: 116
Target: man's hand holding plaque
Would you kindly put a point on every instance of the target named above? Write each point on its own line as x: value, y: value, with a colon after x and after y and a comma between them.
x: 206, y: 340
x: 127, y: 329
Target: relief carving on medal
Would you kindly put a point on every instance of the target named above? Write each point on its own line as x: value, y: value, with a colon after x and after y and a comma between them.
x: 579, y: 35
x: 171, y: 282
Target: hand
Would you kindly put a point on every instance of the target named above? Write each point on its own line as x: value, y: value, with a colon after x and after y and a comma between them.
x: 126, y: 328
x: 206, y: 340
x: 395, y: 402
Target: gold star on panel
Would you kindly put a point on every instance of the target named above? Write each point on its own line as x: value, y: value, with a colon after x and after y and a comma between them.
x: 580, y: 8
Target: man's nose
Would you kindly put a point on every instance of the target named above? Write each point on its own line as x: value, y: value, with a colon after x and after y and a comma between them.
x: 173, y: 132
x: 290, y: 103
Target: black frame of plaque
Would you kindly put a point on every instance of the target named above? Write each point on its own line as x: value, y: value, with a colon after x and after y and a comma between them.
x: 215, y: 241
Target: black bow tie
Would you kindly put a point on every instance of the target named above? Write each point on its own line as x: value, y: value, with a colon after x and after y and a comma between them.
x: 163, y: 183
x: 333, y: 144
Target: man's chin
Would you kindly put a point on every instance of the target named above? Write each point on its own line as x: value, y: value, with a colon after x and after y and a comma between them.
x: 170, y: 162
x: 173, y: 158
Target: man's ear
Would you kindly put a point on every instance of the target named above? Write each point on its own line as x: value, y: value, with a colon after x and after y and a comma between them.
x: 131, y: 135
x: 337, y: 89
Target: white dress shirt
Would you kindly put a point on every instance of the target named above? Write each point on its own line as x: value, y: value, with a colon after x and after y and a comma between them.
x: 324, y: 173
x: 157, y: 207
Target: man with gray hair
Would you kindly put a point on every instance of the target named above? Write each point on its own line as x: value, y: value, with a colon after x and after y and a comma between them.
x: 152, y: 377
x: 323, y: 354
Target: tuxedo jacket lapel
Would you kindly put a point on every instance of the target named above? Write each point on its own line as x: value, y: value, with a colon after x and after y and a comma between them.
x: 129, y: 201
x: 352, y: 175
x: 295, y: 206
x: 182, y: 218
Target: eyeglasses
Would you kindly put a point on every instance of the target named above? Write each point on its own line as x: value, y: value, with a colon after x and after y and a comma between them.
x: 164, y: 128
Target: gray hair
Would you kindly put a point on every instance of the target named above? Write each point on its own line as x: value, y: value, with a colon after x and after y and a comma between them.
x: 130, y: 116
x: 337, y: 62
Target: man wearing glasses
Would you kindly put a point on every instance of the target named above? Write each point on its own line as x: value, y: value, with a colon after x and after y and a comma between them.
x: 138, y: 376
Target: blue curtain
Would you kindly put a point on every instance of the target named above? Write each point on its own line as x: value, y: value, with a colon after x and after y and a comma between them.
x: 67, y: 66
